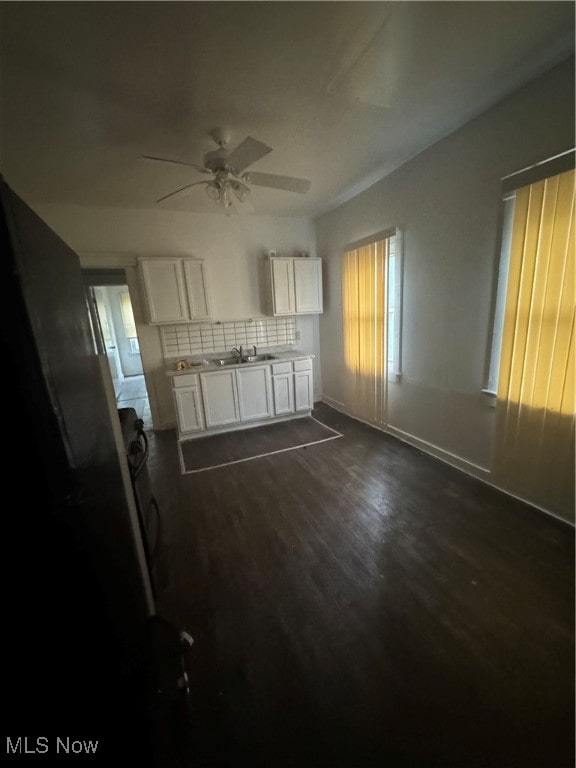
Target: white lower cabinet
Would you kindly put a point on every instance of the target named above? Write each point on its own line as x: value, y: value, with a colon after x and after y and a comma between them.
x: 220, y: 398
x: 283, y: 393
x: 189, y: 409
x: 303, y: 394
x: 217, y: 399
x: 237, y: 395
x: 303, y: 399
x: 254, y: 392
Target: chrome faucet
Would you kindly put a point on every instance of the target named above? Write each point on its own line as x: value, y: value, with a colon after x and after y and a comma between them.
x: 241, y: 354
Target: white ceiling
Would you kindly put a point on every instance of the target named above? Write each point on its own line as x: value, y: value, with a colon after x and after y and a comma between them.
x: 342, y: 92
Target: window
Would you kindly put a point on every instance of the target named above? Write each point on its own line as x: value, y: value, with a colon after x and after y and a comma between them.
x: 539, y: 174
x: 535, y: 366
x: 129, y: 323
x: 498, y: 321
x: 394, y: 304
x: 134, y: 345
x: 537, y: 343
x: 371, y: 281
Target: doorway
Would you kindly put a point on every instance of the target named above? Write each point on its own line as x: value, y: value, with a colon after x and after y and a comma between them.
x: 116, y: 336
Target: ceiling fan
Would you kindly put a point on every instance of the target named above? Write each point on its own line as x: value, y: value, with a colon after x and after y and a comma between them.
x: 228, y: 172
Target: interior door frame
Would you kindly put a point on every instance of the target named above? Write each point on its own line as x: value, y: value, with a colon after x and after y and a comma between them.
x: 122, y: 342
x: 117, y: 269
x: 110, y: 277
x: 98, y: 305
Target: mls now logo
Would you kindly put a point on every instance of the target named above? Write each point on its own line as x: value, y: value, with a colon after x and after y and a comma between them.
x: 68, y: 746
x: 25, y: 745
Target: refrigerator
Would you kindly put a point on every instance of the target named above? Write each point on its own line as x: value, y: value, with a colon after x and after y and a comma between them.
x: 79, y: 627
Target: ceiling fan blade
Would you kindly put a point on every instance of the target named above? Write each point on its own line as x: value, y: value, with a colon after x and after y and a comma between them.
x: 199, y: 168
x: 180, y: 191
x: 247, y: 153
x: 287, y: 183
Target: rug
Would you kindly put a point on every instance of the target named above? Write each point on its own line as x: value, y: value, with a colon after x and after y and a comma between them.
x: 213, y: 451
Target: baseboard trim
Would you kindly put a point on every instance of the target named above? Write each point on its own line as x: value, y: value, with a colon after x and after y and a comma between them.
x: 468, y: 467
x: 440, y: 453
x: 334, y: 404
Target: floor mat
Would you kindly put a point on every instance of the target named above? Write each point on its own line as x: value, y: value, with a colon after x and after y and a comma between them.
x: 214, y: 451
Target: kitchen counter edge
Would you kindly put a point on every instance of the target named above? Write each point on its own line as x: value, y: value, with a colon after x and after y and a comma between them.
x: 280, y: 357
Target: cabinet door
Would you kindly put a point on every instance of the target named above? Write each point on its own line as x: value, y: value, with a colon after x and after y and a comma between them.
x: 283, y: 387
x: 303, y: 396
x: 188, y: 409
x: 220, y: 398
x: 308, y: 286
x: 197, y: 289
x: 165, y: 290
x: 254, y: 392
x: 282, y: 286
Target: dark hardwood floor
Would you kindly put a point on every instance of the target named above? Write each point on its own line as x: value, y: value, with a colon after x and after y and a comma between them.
x: 357, y: 603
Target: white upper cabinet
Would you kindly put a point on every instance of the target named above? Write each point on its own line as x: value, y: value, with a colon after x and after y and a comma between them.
x: 196, y: 289
x: 282, y: 273
x: 176, y: 290
x: 165, y: 290
x: 307, y: 286
x: 296, y: 286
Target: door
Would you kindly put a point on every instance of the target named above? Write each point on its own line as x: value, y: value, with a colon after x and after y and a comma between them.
x: 80, y: 526
x: 220, y: 398
x: 106, y: 338
x: 125, y: 330
x: 254, y: 392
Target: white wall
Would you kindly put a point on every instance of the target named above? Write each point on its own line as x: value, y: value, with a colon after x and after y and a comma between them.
x: 233, y: 248
x: 446, y: 200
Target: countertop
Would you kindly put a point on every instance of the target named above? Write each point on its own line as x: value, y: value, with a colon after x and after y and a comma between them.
x: 200, y: 367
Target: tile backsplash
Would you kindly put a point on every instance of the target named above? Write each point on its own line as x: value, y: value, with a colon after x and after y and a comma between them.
x: 196, y: 338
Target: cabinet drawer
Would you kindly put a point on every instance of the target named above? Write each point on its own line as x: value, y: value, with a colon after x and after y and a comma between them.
x: 303, y: 365
x: 282, y: 367
x: 186, y: 380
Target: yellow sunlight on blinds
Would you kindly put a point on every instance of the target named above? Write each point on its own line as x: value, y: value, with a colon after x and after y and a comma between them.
x: 364, y: 332
x: 127, y: 315
x: 536, y: 399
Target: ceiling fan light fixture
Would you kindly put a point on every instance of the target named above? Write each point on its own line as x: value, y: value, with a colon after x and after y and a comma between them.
x: 230, y: 181
x: 213, y: 191
x: 240, y: 190
x: 224, y: 199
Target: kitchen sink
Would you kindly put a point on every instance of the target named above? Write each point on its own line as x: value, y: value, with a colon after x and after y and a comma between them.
x: 226, y: 361
x: 258, y: 358
x: 247, y: 359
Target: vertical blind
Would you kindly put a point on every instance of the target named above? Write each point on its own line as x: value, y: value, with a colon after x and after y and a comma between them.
x: 364, y: 293
x: 536, y: 399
